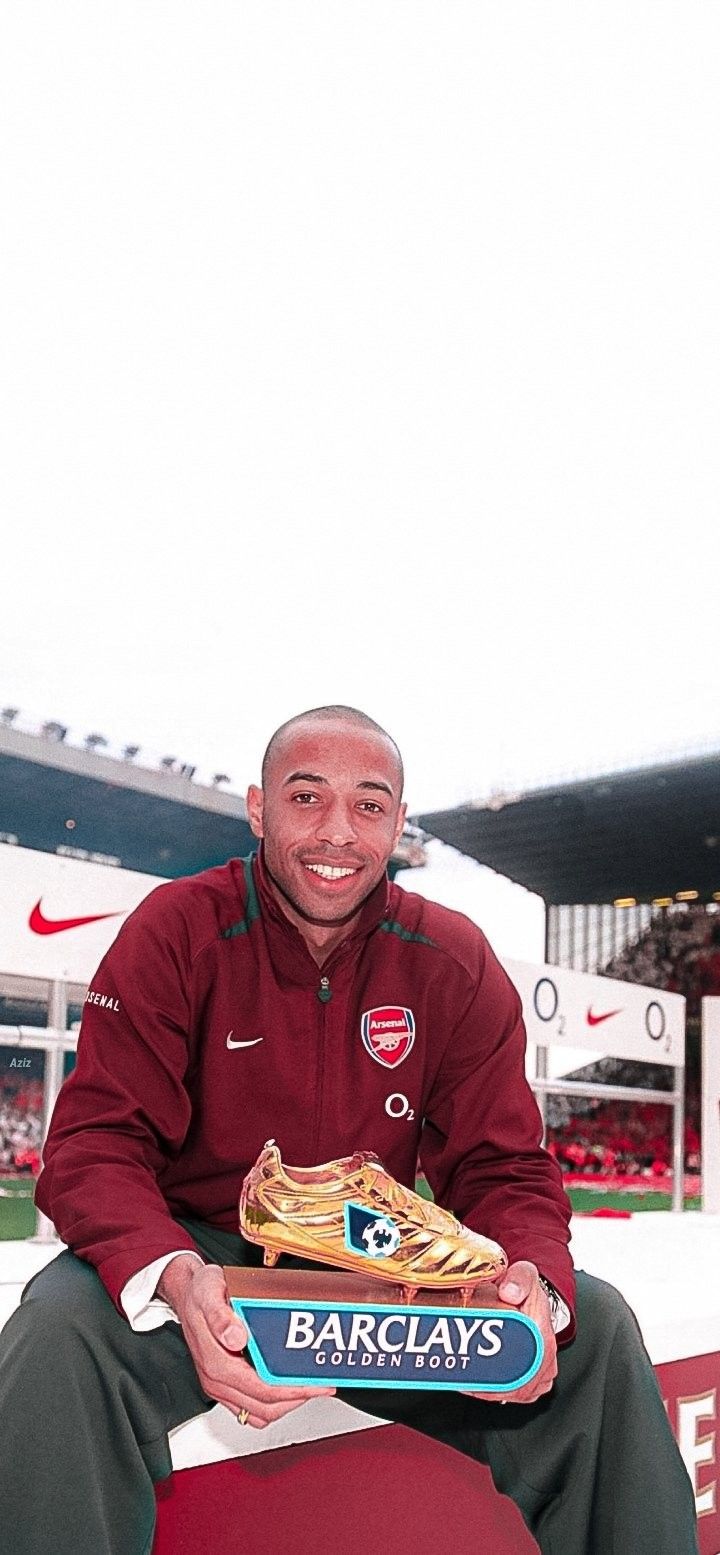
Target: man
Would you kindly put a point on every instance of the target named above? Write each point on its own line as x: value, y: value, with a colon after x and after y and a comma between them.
x: 235, y: 1013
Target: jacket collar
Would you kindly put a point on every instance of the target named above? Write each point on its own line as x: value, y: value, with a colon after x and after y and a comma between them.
x: 374, y: 909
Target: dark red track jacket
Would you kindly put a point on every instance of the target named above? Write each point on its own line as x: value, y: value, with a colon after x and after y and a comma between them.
x: 209, y: 1029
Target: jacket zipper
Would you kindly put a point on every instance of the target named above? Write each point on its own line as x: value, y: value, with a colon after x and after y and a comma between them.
x: 324, y: 994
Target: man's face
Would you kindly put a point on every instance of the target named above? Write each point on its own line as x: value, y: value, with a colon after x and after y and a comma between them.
x: 329, y: 815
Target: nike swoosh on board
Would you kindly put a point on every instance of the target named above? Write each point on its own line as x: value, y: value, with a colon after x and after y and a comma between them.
x: 595, y: 1020
x: 42, y: 925
x: 252, y: 1043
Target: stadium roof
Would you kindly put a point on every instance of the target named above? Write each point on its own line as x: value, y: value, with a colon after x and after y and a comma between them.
x: 156, y: 822
x: 648, y: 834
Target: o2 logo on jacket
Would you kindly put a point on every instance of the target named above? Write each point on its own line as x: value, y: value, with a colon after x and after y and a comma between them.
x: 388, y: 1033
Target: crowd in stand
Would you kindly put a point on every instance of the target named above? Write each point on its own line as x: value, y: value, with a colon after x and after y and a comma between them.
x: 21, y: 1122
x: 622, y: 1139
x: 680, y: 952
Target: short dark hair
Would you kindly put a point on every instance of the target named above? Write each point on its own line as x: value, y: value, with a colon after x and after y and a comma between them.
x: 335, y: 712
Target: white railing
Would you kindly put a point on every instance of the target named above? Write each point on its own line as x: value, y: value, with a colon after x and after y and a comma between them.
x: 54, y: 1040
x: 573, y: 1018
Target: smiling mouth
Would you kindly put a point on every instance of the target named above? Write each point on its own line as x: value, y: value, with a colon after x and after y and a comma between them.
x: 331, y: 871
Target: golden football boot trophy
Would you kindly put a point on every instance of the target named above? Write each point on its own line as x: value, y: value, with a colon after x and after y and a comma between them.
x: 409, y: 1299
x: 353, y: 1215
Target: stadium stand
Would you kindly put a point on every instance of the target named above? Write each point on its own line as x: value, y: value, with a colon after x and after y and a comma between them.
x: 628, y: 864
x: 679, y: 951
x: 21, y: 1124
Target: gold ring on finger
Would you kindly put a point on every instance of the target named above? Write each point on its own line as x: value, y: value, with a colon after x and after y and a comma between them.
x: 243, y: 1416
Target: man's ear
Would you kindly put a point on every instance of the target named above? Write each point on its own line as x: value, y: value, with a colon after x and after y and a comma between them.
x: 400, y: 823
x: 254, y: 802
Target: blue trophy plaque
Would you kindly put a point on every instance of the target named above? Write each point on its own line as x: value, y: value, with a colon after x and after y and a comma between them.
x: 325, y: 1328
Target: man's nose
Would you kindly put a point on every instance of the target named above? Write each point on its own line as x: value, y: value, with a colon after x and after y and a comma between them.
x: 337, y: 826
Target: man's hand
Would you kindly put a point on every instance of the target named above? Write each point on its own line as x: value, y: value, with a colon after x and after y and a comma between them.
x: 520, y: 1287
x: 215, y: 1337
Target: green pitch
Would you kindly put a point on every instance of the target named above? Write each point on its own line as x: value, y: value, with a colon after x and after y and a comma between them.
x: 585, y: 1200
x: 17, y: 1211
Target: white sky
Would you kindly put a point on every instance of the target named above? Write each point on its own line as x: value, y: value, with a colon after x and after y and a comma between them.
x: 364, y: 353
x: 512, y: 918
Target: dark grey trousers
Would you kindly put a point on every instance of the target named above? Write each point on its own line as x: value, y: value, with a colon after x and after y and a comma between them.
x: 86, y: 1405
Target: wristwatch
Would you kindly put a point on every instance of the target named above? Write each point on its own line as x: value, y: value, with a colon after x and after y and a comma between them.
x: 559, y: 1312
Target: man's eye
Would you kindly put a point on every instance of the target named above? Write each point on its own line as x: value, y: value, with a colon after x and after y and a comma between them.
x: 369, y: 804
x: 304, y: 798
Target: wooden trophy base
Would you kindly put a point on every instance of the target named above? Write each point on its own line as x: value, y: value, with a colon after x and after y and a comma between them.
x: 331, y: 1286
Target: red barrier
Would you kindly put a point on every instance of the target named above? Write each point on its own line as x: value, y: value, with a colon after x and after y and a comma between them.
x: 690, y: 1389
x: 385, y: 1489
